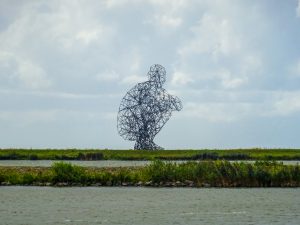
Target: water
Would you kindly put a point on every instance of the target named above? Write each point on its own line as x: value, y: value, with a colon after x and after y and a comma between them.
x: 113, y: 205
x: 48, y: 163
x: 102, y: 163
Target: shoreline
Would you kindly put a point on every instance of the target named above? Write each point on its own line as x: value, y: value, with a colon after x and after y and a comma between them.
x: 157, y: 174
x: 142, y: 155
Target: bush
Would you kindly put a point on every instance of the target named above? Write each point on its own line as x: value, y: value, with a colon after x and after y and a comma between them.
x: 66, y: 172
x: 33, y: 157
x: 63, y: 157
x: 90, y: 156
x: 2, y: 178
x: 236, y: 156
x: 296, y: 173
x: 11, y: 156
x: 205, y: 156
x: 28, y: 179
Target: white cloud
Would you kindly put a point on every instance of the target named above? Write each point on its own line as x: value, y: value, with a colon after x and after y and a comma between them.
x: 230, y: 81
x: 133, y: 73
x: 168, y: 14
x: 251, y: 64
x: 229, y: 106
x: 47, y: 43
x: 33, y: 76
x: 118, y: 3
x: 66, y: 24
x: 28, y: 73
x: 108, y: 76
x: 29, y: 117
x: 218, y: 48
x: 218, y: 112
x: 180, y: 79
x: 135, y: 61
x: 213, y: 35
x: 294, y: 69
x: 71, y: 32
x: 298, y: 9
x: 88, y: 36
x: 168, y: 21
x: 59, y: 94
x: 133, y: 79
x: 288, y: 103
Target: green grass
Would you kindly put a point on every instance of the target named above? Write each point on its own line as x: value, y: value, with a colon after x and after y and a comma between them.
x: 158, y: 173
x: 93, y: 154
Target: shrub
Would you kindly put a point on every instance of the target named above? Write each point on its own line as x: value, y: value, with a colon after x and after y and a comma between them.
x: 33, y: 157
x: 2, y: 178
x: 63, y: 157
x: 296, y: 174
x: 28, y: 178
x: 123, y: 175
x: 66, y: 172
x: 205, y: 156
x: 90, y: 156
x: 236, y: 156
x: 11, y: 156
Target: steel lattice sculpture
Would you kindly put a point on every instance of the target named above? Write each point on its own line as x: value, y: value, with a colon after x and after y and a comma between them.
x: 145, y: 109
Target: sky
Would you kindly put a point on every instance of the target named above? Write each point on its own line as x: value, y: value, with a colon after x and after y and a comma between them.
x: 66, y: 64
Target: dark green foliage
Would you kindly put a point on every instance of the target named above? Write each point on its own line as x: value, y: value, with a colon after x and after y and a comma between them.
x: 63, y: 157
x: 2, y: 178
x: 28, y: 178
x: 12, y: 155
x: 90, y: 156
x: 206, y: 156
x: 216, y: 156
x: 66, y: 172
x: 236, y: 156
x: 33, y: 157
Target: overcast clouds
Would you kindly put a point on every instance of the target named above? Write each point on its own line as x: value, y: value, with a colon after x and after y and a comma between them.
x: 65, y: 65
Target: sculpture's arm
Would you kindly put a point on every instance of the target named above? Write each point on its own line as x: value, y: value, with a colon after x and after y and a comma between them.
x: 175, y: 103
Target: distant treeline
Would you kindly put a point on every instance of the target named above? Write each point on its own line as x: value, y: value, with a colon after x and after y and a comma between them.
x: 159, y: 174
x: 80, y: 154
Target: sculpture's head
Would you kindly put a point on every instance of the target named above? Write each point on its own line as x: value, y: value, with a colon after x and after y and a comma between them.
x: 157, y: 74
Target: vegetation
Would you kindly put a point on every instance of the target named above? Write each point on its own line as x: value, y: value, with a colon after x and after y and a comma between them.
x: 158, y: 174
x: 92, y: 154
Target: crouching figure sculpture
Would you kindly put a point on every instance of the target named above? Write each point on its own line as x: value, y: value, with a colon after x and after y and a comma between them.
x: 145, y: 109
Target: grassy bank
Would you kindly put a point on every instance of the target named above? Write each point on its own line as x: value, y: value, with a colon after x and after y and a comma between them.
x: 77, y: 154
x: 159, y: 174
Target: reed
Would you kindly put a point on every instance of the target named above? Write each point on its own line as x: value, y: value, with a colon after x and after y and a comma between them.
x: 159, y: 174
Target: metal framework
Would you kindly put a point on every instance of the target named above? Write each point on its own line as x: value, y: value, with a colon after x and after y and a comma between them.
x: 145, y: 109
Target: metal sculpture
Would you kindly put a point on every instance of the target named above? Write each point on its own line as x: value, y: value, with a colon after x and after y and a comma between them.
x: 145, y: 109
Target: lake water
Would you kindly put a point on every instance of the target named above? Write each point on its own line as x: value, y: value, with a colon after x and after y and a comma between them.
x: 102, y: 163
x: 48, y: 163
x: 147, y: 206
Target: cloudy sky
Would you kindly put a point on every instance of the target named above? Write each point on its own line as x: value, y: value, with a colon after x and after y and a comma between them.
x: 65, y: 66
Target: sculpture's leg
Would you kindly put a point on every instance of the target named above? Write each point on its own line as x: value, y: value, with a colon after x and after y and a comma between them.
x: 147, y: 144
x: 157, y: 147
x: 137, y: 146
x: 142, y: 145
